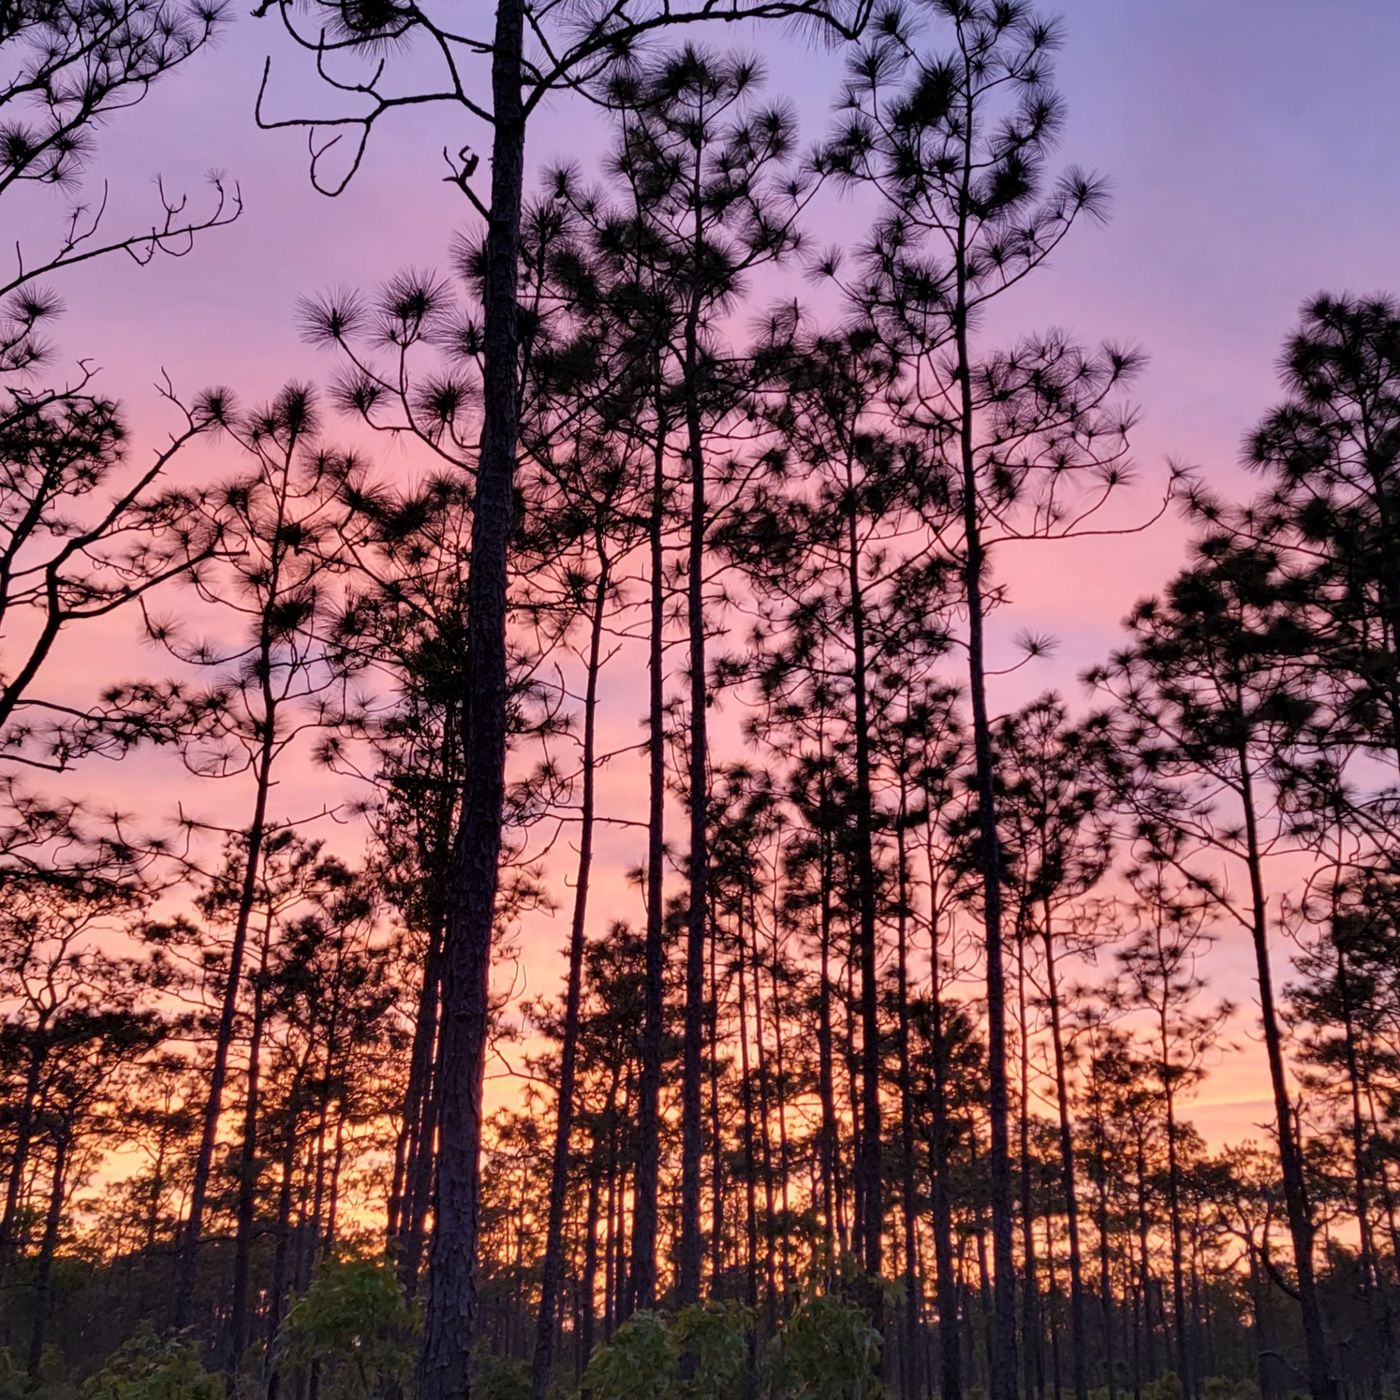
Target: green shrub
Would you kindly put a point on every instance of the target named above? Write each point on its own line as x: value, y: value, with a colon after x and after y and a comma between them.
x: 1228, y: 1388
x: 639, y: 1362
x: 356, y: 1326
x: 1167, y: 1387
x: 145, y: 1367
x: 714, y: 1339
x: 827, y: 1350
x: 497, y: 1377
x: 699, y: 1354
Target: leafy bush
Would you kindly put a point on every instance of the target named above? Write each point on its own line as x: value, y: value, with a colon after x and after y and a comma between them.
x: 145, y: 1367
x: 356, y: 1325
x: 1228, y: 1388
x: 714, y: 1339
x: 497, y: 1377
x: 1165, y: 1387
x: 699, y: 1354
x: 827, y: 1350
x: 639, y: 1362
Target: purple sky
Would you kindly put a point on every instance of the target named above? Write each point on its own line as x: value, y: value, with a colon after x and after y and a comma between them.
x: 1254, y: 152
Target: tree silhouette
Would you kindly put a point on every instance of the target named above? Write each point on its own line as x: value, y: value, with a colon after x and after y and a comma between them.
x: 1213, y: 694
x: 1019, y: 444
x: 568, y: 54
x: 81, y: 533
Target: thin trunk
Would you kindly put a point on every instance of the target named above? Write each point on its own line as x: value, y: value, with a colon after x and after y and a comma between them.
x: 228, y: 1011
x: 780, y: 1085
x: 940, y: 1147
x: 826, y: 1077
x: 590, y: 1250
x: 248, y: 1169
x: 1053, y: 1308
x: 24, y: 1131
x: 642, y: 1289
x: 911, y: 1371
x: 1183, y: 1348
x: 568, y: 1064
x: 1320, y: 1378
x: 416, y: 1134
x: 718, y: 1234
x: 281, y: 1260
x: 765, y: 1136
x: 43, y: 1282
x: 1369, y: 1277
x: 750, y: 1134
x: 1105, y: 1258
x: 1002, y: 1364
x: 1079, y: 1326
x: 1032, y: 1340
x: 692, y: 1129
x: 869, y: 1171
x: 1144, y: 1265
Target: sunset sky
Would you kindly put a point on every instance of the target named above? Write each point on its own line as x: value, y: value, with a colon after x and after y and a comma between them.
x: 1253, y: 148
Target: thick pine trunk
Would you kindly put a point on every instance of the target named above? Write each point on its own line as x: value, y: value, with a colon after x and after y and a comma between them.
x: 447, y: 1333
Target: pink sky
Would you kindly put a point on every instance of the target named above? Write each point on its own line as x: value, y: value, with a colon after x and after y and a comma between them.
x: 1252, y: 148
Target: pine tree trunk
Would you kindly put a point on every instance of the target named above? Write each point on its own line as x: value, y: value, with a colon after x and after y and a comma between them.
x: 417, y: 1132
x: 1320, y: 1378
x: 910, y: 1371
x: 765, y: 1135
x: 447, y: 1333
x: 1079, y: 1326
x: 1183, y: 1347
x: 940, y: 1148
x: 780, y: 1084
x: 750, y: 1133
x: 718, y: 1174
x: 568, y: 1065
x: 826, y: 1074
x: 228, y: 1011
x: 1002, y: 1380
x: 1032, y: 1338
x: 19, y: 1153
x: 692, y: 1131
x: 869, y: 1169
x: 43, y: 1277
x: 642, y: 1288
x: 248, y: 1171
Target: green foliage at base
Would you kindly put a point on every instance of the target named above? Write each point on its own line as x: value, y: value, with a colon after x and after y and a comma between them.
x: 147, y: 1367
x: 497, y: 1377
x: 1229, y: 1388
x: 827, y: 1350
x: 355, y: 1326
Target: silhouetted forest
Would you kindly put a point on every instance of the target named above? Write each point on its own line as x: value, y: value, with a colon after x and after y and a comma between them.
x: 875, y: 1007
